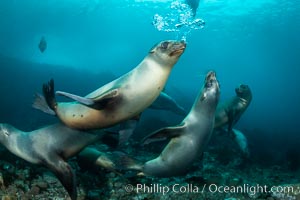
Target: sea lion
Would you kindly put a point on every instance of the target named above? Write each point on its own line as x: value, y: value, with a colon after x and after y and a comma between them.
x: 188, y: 139
x: 43, y: 44
x: 166, y: 102
x: 120, y: 99
x: 229, y: 112
x: 242, y: 141
x: 50, y: 146
x: 91, y: 158
x: 193, y: 5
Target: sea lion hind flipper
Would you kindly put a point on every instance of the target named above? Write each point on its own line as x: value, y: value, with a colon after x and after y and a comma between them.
x: 66, y: 176
x: 41, y: 104
x: 126, y: 130
x: 163, y: 134
x: 98, y: 102
x: 48, y: 91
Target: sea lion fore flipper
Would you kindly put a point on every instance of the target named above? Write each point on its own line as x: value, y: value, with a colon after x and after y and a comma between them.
x: 105, y: 98
x: 82, y: 100
x: 106, y: 95
x: 164, y: 133
x: 98, y: 102
x: 65, y: 174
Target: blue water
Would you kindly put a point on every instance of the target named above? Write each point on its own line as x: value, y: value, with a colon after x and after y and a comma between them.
x: 92, y: 42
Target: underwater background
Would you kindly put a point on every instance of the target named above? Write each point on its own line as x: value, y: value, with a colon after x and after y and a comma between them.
x: 91, y: 42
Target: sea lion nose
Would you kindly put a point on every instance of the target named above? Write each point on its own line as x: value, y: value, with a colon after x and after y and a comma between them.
x: 211, y: 76
x: 182, y: 42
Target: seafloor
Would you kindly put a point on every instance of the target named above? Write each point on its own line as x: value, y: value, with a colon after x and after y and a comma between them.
x: 221, y: 166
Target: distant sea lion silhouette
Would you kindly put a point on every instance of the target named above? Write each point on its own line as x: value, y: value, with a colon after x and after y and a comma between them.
x: 119, y: 100
x: 188, y: 139
x: 43, y: 44
x: 166, y: 102
x: 50, y: 146
x: 241, y: 140
x: 193, y: 5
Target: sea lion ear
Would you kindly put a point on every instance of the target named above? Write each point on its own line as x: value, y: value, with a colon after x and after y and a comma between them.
x: 152, y: 50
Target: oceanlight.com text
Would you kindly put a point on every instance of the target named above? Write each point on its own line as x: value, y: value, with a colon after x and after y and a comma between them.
x: 212, y: 188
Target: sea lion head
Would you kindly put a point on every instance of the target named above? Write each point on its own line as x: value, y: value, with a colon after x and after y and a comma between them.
x: 211, y: 89
x: 167, y: 52
x: 243, y: 91
x: 5, y: 131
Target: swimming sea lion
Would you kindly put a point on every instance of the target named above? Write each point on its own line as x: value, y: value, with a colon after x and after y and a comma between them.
x: 91, y: 158
x: 166, y: 102
x: 120, y: 99
x: 229, y: 112
x: 241, y: 140
x: 193, y: 5
x: 43, y: 44
x: 50, y: 146
x: 188, y: 139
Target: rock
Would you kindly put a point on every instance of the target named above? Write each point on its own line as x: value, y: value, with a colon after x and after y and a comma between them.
x: 118, y: 185
x: 42, y: 184
x: 6, y: 197
x: 2, y: 186
x: 290, y: 191
x: 34, y: 191
x: 9, y: 168
x: 111, y: 175
x: 94, y: 195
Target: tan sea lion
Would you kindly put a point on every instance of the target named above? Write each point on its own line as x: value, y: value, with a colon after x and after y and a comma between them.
x: 50, y: 146
x: 119, y: 100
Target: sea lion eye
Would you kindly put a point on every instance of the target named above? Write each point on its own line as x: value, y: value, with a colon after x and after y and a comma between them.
x: 164, y: 45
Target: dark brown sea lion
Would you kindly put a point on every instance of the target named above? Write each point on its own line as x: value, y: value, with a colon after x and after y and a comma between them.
x: 50, y: 146
x: 229, y: 112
